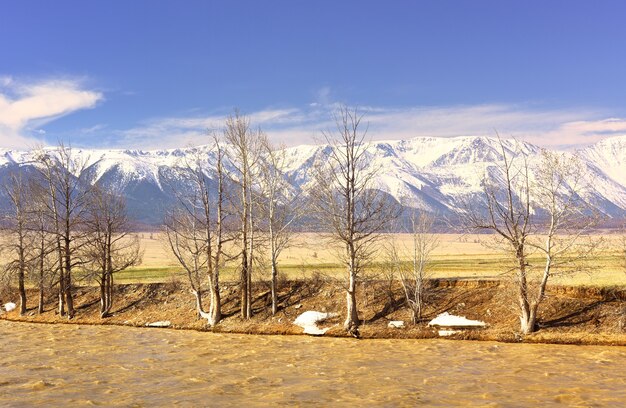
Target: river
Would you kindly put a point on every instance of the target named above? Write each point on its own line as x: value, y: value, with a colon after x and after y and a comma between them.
x: 63, y: 365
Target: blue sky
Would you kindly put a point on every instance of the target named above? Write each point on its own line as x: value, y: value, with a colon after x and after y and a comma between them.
x: 152, y: 74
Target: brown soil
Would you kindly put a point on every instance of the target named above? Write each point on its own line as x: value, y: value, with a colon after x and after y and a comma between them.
x: 572, y: 315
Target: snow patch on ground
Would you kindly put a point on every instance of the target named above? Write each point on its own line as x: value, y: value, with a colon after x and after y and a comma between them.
x: 164, y: 323
x: 448, y: 320
x: 9, y: 306
x: 309, y: 320
x: 396, y: 324
x: 445, y: 333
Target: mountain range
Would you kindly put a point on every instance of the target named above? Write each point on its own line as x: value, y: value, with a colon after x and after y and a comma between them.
x: 438, y: 175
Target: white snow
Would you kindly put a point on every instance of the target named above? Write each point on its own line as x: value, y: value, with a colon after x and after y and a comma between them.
x: 430, y: 173
x: 395, y: 324
x: 9, y: 306
x: 309, y: 320
x: 163, y: 323
x: 448, y: 320
x: 445, y: 333
x: 610, y: 156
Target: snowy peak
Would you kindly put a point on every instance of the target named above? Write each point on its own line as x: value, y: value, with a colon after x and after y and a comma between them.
x: 433, y: 174
x: 442, y: 151
x: 609, y: 155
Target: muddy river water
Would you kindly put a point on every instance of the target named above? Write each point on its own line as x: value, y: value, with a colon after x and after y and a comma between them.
x: 70, y: 365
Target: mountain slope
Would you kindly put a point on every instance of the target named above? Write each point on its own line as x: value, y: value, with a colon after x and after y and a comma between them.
x: 440, y: 175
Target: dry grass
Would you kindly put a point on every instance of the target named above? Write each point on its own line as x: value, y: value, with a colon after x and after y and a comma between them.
x: 569, y: 315
x: 457, y: 256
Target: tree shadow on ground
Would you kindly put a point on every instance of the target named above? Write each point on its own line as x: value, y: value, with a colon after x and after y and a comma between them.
x: 391, y: 305
x: 88, y: 304
x: 577, y: 317
x: 148, y: 293
x: 451, y: 302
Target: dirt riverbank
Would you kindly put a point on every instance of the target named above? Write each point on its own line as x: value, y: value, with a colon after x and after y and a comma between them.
x: 569, y: 315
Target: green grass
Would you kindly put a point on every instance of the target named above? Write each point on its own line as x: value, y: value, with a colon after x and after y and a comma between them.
x: 606, y: 270
x: 149, y: 275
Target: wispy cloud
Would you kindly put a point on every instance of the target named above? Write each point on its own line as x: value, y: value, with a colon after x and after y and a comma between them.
x: 27, y: 105
x: 182, y: 131
x: 583, y: 132
x: 546, y: 127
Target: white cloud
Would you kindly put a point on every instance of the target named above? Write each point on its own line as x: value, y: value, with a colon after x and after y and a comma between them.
x: 525, y: 123
x: 5, y: 80
x: 584, y: 132
x: 546, y: 127
x: 323, y: 96
x: 182, y: 131
x: 25, y: 106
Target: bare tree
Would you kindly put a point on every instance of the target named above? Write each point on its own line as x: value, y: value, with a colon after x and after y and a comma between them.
x: 244, y: 153
x: 111, y: 248
x: 44, y: 267
x: 565, y: 239
x: 348, y: 205
x: 186, y: 240
x: 281, y: 209
x: 511, y: 201
x: 195, y: 233
x: 67, y: 183
x: 506, y: 211
x: 413, y: 279
x: 18, y: 242
x: 623, y: 248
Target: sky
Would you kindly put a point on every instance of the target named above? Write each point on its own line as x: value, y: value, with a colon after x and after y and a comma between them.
x: 163, y: 74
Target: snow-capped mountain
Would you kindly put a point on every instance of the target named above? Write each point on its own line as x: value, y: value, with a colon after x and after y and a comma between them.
x: 608, y: 155
x: 434, y: 174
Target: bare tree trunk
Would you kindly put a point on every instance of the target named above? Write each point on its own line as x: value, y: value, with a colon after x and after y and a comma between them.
x: 22, y: 291
x: 68, y: 280
x: 249, y: 296
x: 69, y: 299
x: 21, y: 265
x: 61, y: 294
x: 103, y: 293
x: 244, y: 282
x: 109, y: 293
x: 419, y: 301
x: 103, y: 304
x: 244, y: 255
x: 527, y: 314
x: 61, y: 301
x: 213, y: 259
x: 42, y: 257
x: 352, y: 320
x: 250, y: 262
x: 351, y: 324
x: 109, y: 273
x: 215, y: 309
x: 273, y: 287
x: 528, y: 319
x: 199, y: 306
x: 271, y: 180
x: 40, y: 306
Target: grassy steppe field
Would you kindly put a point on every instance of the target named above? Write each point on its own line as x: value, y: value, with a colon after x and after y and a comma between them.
x: 457, y: 256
